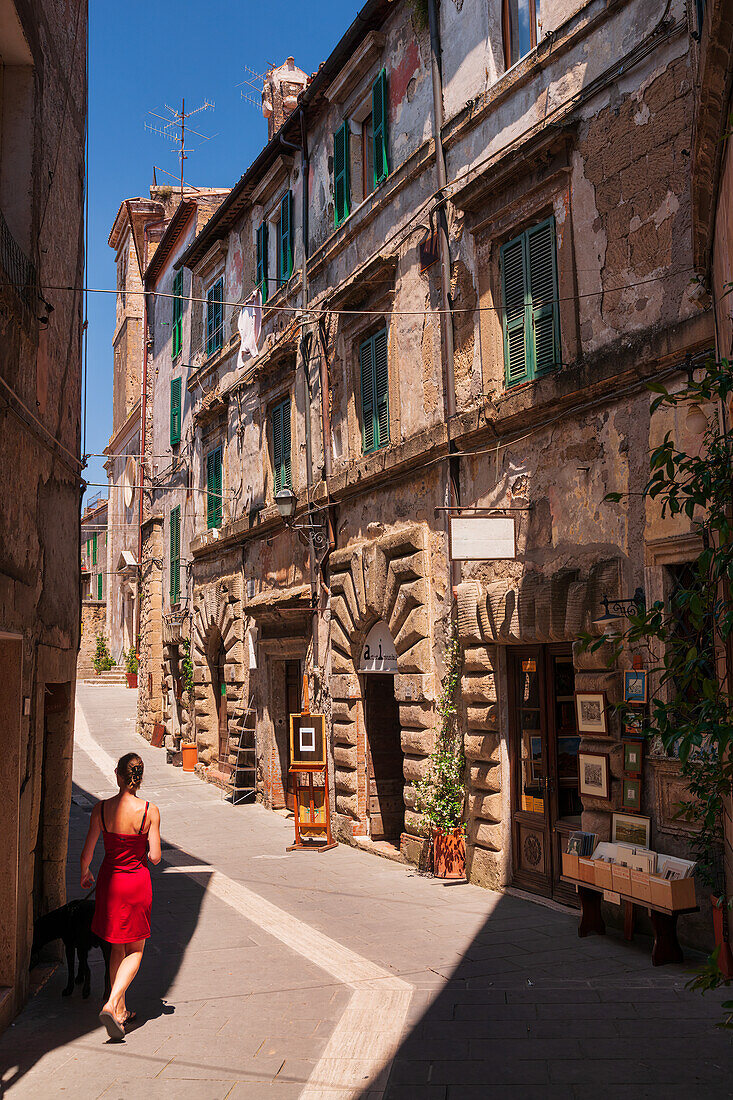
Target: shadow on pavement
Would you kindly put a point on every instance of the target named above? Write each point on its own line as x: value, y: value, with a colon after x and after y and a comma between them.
x: 49, y: 1021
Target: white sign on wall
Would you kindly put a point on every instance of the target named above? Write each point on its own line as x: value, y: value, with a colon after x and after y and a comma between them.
x: 482, y: 538
x: 378, y: 652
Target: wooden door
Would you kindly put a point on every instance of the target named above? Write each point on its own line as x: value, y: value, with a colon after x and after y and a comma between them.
x: 385, y: 775
x: 545, y: 802
x: 220, y: 688
x: 293, y: 682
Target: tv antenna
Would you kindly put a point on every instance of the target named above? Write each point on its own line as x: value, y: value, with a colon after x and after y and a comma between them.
x: 175, y: 129
x: 255, y: 81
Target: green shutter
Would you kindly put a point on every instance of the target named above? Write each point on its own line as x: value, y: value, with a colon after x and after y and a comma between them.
x: 177, y: 338
x: 99, y: 586
x: 281, y: 447
x: 514, y: 295
x: 94, y: 548
x: 214, y: 317
x: 214, y: 510
x: 366, y: 360
x: 542, y: 266
x: 285, y: 237
x: 175, y: 554
x: 379, y: 125
x: 341, y: 173
x: 261, y: 271
x: 175, y: 426
x: 381, y: 388
x: 373, y: 360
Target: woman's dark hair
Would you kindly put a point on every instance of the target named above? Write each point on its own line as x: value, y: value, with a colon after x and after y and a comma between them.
x: 130, y: 770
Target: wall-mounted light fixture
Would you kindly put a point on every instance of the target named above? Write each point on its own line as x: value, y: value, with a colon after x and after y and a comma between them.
x: 287, y: 502
x: 621, y: 608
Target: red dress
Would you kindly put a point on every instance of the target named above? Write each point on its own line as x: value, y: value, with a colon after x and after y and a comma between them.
x: 124, y: 890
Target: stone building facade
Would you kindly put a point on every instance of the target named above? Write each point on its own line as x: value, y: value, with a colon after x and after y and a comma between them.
x: 93, y: 582
x: 43, y: 115
x: 506, y: 372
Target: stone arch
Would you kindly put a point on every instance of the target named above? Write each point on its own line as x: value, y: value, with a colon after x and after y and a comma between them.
x: 217, y: 620
x: 386, y: 579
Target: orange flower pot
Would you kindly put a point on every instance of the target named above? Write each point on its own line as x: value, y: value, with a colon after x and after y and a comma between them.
x: 190, y: 754
x: 131, y: 679
x: 449, y: 854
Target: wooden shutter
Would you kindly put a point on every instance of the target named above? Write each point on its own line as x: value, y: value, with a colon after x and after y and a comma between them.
x: 281, y: 450
x: 514, y: 300
x: 261, y: 276
x: 286, y: 236
x: 542, y: 267
x: 366, y: 360
x: 341, y: 173
x: 99, y: 586
x: 218, y: 501
x: 94, y: 548
x: 177, y: 338
x: 379, y: 125
x: 214, y: 511
x: 175, y: 554
x: 214, y: 317
x: 175, y: 425
x: 381, y: 388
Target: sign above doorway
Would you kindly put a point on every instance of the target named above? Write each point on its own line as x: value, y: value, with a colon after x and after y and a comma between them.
x: 482, y: 538
x: 378, y: 652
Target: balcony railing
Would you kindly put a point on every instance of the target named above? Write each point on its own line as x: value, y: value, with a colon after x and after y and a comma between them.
x: 18, y: 269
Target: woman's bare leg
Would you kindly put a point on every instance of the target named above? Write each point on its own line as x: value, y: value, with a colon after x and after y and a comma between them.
x: 126, y: 970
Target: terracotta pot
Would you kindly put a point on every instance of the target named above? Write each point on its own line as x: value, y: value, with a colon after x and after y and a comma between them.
x: 131, y: 679
x: 190, y: 754
x: 449, y: 854
x: 725, y: 956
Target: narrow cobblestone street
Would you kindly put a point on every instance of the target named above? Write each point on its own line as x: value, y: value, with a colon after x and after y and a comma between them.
x: 275, y: 975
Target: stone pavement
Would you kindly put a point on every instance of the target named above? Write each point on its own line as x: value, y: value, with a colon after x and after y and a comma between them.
x: 342, y: 975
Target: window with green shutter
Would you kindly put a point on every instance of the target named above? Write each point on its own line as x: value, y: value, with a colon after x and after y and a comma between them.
x: 175, y: 554
x: 175, y: 433
x: 531, y: 317
x: 285, y: 239
x: 374, y: 392
x: 214, y: 510
x: 341, y: 197
x: 379, y: 124
x: 261, y: 261
x: 94, y: 548
x: 215, y: 317
x: 99, y: 586
x: 281, y: 458
x: 177, y: 337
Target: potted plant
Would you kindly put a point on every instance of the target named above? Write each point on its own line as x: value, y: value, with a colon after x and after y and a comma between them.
x: 131, y: 667
x: 102, y: 659
x: 441, y: 794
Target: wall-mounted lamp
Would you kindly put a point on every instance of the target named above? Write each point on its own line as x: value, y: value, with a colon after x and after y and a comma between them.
x: 696, y: 422
x: 621, y: 609
x: 286, y: 502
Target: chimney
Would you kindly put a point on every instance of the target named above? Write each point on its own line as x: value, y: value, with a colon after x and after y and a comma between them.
x: 280, y: 92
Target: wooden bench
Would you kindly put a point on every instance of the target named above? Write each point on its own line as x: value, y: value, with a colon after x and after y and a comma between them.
x: 666, y: 948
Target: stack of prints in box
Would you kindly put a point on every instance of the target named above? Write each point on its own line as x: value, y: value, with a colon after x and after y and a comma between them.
x: 582, y: 844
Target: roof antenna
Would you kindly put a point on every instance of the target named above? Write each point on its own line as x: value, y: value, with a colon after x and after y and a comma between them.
x: 175, y: 129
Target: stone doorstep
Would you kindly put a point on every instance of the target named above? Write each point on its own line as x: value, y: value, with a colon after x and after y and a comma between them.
x: 379, y: 848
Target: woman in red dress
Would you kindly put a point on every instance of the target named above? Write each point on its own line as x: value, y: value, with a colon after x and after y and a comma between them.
x: 124, y: 893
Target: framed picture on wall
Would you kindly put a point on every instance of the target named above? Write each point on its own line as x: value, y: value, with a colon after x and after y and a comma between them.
x: 631, y: 799
x: 592, y: 712
x: 635, y: 685
x: 594, y: 774
x: 632, y: 757
x: 629, y: 829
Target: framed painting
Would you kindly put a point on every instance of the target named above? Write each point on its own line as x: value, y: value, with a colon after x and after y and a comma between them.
x: 594, y: 774
x: 592, y: 712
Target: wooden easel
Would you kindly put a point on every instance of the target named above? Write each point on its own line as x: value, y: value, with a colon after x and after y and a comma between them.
x: 305, y: 797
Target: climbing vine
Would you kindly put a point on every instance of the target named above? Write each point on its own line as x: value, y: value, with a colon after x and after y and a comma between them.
x: 441, y: 793
x: 187, y: 666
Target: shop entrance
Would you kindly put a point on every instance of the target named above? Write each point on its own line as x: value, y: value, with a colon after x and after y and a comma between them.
x: 546, y: 805
x: 385, y: 776
x: 293, y: 685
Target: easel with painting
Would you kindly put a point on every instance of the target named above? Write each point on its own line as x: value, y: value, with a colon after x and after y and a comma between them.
x: 309, y: 769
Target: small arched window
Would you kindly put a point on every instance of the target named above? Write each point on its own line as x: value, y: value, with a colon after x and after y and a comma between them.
x: 519, y: 27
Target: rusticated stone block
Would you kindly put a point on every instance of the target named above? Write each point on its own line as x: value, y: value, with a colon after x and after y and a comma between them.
x: 344, y: 734
x: 482, y: 718
x: 486, y: 747
x: 479, y: 659
x: 488, y: 807
x: 344, y: 756
x: 601, y: 660
x: 484, y: 868
x: 418, y: 742
x: 485, y: 777
x: 345, y: 686
x: 415, y: 823
x: 414, y: 768
x: 347, y: 805
x: 345, y: 780
x: 487, y: 835
x: 477, y: 688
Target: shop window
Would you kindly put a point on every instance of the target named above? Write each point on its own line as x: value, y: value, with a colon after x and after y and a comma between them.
x: 175, y: 554
x: 214, y: 510
x: 177, y: 336
x: 281, y: 449
x: 530, y: 307
x: 175, y: 419
x: 215, y: 317
x: 285, y: 239
x: 261, y: 269
x: 373, y: 362
x: 519, y: 27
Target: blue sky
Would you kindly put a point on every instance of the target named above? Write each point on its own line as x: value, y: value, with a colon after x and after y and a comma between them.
x: 142, y: 56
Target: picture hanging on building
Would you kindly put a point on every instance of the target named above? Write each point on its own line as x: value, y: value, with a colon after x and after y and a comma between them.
x: 631, y: 799
x: 628, y: 829
x: 594, y: 775
x: 635, y: 685
x: 632, y: 757
x: 592, y: 712
x: 634, y: 726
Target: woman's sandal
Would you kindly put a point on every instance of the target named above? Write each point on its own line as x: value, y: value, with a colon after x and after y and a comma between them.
x: 130, y: 1017
x: 115, y: 1029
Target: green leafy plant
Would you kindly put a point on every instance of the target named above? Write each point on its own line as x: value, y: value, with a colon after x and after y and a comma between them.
x: 187, y: 666
x: 102, y: 659
x: 441, y: 793
x: 687, y: 637
x: 131, y: 661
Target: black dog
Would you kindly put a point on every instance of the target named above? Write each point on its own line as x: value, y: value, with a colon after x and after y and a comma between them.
x: 72, y: 923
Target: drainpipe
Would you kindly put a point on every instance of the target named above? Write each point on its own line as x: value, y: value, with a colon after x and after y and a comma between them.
x: 446, y: 319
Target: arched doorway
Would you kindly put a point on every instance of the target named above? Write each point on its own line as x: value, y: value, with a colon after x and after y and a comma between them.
x: 384, y: 759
